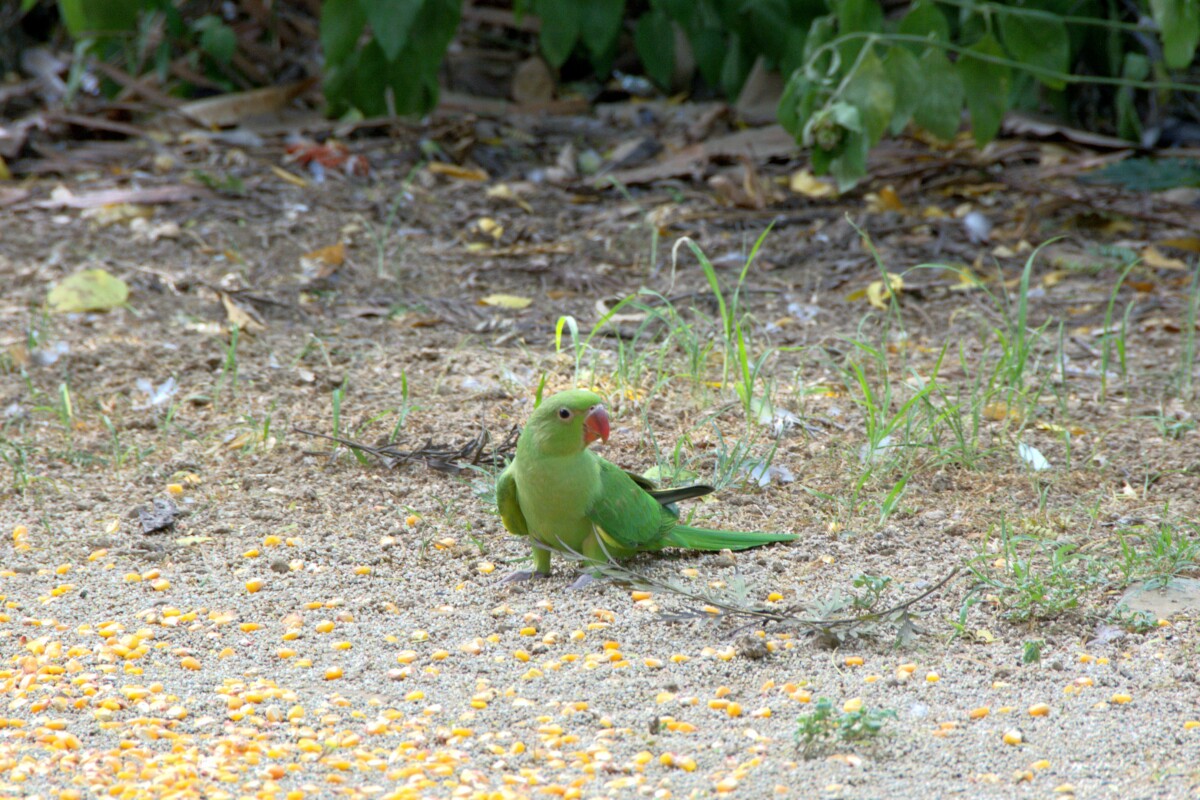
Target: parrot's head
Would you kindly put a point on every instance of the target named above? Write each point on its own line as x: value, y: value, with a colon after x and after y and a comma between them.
x: 567, y: 423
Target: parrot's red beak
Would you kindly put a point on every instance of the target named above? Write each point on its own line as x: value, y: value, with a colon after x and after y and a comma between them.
x: 595, y: 425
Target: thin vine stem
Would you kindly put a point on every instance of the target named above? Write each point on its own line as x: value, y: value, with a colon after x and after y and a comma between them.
x: 1042, y: 72
x: 1049, y: 16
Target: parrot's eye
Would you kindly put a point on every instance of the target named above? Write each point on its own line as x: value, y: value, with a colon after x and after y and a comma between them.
x: 564, y: 413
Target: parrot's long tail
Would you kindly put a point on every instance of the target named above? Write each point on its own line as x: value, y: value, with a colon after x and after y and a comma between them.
x: 707, y: 539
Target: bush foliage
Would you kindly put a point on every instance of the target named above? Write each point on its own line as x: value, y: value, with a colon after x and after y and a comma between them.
x: 854, y: 72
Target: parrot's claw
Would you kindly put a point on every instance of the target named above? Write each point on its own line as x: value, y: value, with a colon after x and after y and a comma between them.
x: 522, y: 575
x: 582, y: 582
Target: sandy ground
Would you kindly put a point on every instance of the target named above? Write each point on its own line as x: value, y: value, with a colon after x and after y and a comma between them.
x: 314, y: 627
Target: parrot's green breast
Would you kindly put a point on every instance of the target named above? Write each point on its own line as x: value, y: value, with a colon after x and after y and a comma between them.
x: 555, y: 493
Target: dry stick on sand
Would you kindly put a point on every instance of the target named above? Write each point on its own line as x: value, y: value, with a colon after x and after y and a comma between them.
x: 444, y: 458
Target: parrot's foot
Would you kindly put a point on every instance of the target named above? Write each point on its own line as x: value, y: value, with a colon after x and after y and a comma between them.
x: 522, y: 575
x: 582, y: 582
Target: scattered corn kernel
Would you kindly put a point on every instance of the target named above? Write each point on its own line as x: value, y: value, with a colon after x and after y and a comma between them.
x: 1013, y: 736
x: 254, y: 585
x: 853, y: 661
x: 1039, y: 709
x: 979, y: 713
x: 333, y: 673
x: 1121, y: 698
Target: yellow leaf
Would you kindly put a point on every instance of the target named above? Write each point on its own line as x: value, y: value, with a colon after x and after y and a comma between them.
x: 457, y: 172
x: 878, y: 294
x: 332, y: 256
x: 885, y: 200
x: 1189, y: 243
x: 489, y: 227
x: 502, y: 191
x: 89, y: 290
x: 113, y: 213
x: 290, y: 177
x: 506, y: 301
x: 1054, y: 277
x: 1154, y: 258
x: 803, y: 182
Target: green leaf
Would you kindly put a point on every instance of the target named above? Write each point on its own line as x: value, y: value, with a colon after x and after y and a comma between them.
x: 392, y: 21
x: 1129, y: 122
x: 926, y: 20
x: 858, y: 15
x: 600, y: 25
x: 89, y: 290
x: 904, y: 72
x: 854, y: 16
x: 363, y: 80
x: 986, y: 85
x: 1179, y: 24
x: 708, y: 48
x: 940, y: 108
x: 342, y: 23
x: 871, y: 93
x: 736, y: 67
x: 851, y: 163
x: 1038, y: 42
x: 85, y: 18
x: 654, y: 39
x: 561, y: 21
x: 216, y: 38
x: 798, y: 103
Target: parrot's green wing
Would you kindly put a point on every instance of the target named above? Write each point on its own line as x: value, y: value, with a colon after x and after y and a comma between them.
x: 625, y: 513
x: 506, y: 499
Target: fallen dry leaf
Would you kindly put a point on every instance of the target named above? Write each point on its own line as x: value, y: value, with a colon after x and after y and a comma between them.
x: 89, y: 290
x: 1154, y: 258
x: 805, y: 183
x: 502, y: 191
x: 505, y: 301
x: 456, y: 172
x: 245, y: 319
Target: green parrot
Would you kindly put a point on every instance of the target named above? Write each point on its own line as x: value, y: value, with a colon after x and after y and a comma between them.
x: 565, y: 497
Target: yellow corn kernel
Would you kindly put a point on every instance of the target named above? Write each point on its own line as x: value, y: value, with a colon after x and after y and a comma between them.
x: 528, y: 631
x: 852, y: 705
x: 251, y: 553
x: 854, y: 661
x: 254, y: 585
x: 1121, y: 698
x: 414, y: 696
x: 979, y: 713
x: 486, y: 567
x: 1013, y: 737
x: 362, y: 569
x: 932, y: 677
x: 1039, y: 709
x: 734, y: 709
x: 249, y: 627
x: 160, y: 585
x: 175, y: 489
x: 333, y: 673
x: 272, y: 541
x: 635, y: 596
x: 520, y: 655
x: 324, y: 626
x: 189, y: 662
